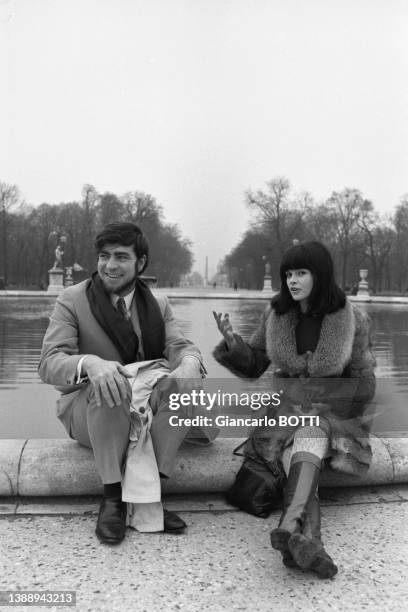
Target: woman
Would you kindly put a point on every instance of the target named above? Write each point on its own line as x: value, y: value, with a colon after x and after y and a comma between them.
x: 319, y: 347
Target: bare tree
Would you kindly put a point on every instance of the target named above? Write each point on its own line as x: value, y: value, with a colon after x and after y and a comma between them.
x: 400, y: 220
x: 321, y: 223
x: 346, y: 206
x: 90, y: 202
x: 141, y: 208
x: 9, y: 198
x: 378, y: 240
x: 273, y: 208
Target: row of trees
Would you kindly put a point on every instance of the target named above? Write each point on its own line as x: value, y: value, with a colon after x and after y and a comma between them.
x: 357, y: 236
x: 29, y: 235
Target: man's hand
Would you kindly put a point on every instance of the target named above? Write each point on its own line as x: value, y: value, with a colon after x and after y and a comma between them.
x: 109, y: 380
x: 225, y: 327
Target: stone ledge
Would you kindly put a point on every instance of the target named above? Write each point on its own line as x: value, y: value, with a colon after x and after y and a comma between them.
x: 59, y: 467
x: 10, y: 456
x: 212, y: 503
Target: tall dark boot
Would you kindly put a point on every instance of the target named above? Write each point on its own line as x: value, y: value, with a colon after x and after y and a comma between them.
x: 287, y: 557
x: 307, y: 550
x: 310, y: 527
x: 300, y: 488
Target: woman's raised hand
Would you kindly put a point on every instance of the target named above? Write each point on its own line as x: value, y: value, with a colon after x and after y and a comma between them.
x: 225, y: 327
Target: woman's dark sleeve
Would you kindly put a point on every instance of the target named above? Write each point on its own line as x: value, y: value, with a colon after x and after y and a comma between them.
x: 246, y: 359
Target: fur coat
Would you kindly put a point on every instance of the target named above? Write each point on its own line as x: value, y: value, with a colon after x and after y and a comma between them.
x: 336, y: 382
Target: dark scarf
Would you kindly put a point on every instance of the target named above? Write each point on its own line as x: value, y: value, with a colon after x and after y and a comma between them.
x: 119, y: 330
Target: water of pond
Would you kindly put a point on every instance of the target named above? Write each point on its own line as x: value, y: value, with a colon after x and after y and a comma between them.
x: 27, y: 406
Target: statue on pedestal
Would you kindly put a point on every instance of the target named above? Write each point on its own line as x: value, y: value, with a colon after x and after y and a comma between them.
x: 363, y: 284
x: 59, y: 253
x: 267, y: 285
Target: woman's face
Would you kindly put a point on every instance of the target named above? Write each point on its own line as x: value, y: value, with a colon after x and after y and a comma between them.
x: 300, y: 285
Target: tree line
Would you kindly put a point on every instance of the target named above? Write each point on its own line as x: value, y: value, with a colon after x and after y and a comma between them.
x: 347, y: 223
x: 30, y: 235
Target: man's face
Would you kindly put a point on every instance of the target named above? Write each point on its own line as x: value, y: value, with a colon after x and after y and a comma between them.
x: 117, y: 266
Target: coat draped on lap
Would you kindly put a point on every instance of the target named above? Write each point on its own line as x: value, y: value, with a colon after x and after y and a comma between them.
x: 335, y: 381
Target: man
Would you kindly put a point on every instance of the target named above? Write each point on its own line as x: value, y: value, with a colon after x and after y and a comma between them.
x: 97, y: 327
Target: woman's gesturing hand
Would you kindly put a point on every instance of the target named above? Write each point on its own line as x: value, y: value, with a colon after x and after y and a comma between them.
x: 225, y: 327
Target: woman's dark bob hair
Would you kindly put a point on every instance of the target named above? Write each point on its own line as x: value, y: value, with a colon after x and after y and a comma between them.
x: 125, y: 234
x: 326, y: 295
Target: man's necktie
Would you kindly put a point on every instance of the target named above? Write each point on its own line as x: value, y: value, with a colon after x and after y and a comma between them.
x: 121, y: 308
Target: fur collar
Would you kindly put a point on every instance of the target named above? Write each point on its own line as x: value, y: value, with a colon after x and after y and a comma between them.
x: 333, y: 351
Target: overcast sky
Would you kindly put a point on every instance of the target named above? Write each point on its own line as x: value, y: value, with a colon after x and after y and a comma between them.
x: 196, y: 101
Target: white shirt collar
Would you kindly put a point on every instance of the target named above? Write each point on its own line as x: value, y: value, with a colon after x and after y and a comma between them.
x: 128, y: 299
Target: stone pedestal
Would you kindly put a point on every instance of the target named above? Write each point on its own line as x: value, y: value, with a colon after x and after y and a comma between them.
x: 267, y: 286
x: 55, y: 280
x: 363, y: 285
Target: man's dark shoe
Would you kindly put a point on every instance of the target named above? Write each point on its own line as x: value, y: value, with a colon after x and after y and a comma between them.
x: 173, y: 523
x: 111, y: 525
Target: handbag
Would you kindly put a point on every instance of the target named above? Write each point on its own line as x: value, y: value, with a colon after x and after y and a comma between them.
x: 258, y: 486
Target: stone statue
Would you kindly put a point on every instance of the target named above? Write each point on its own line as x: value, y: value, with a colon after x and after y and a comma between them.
x: 58, y: 258
x: 267, y: 284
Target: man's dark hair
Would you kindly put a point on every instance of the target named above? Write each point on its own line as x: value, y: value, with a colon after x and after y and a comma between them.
x: 326, y: 295
x: 126, y: 234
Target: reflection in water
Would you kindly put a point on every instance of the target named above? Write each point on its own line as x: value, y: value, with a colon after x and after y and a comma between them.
x: 20, y: 346
x: 391, y: 341
x: 27, y: 405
